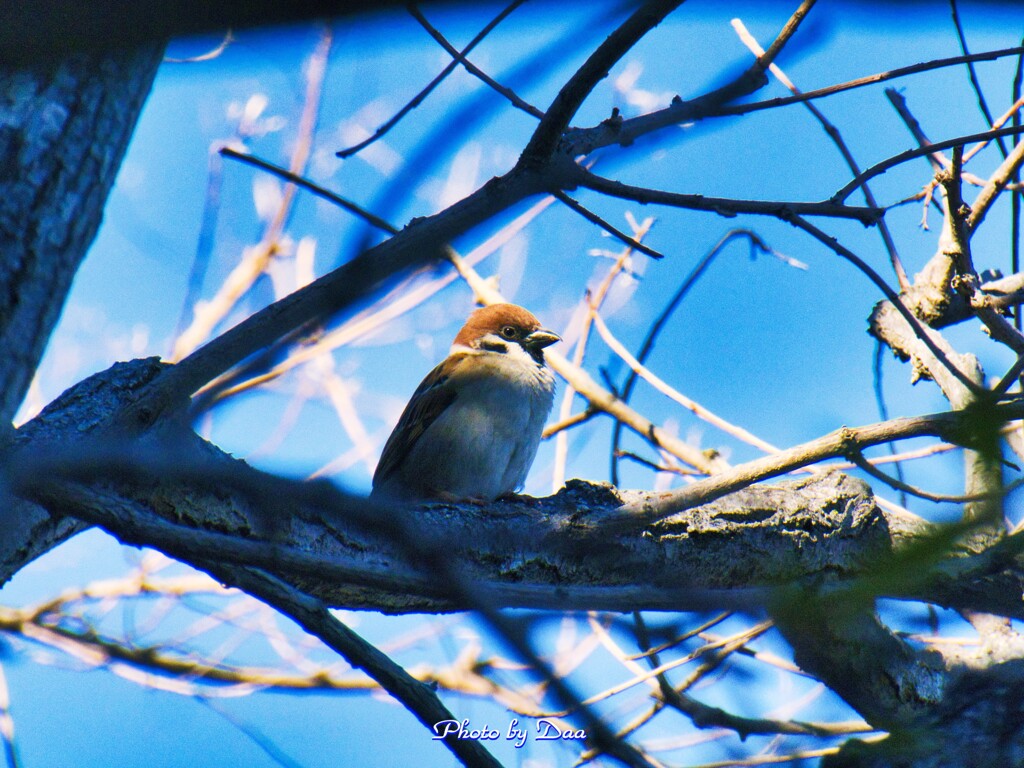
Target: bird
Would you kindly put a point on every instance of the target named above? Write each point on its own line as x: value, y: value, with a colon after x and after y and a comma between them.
x: 471, y: 430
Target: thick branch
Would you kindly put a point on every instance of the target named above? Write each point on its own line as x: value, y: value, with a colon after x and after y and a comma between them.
x: 419, y: 243
x: 879, y: 675
x: 29, y: 531
x: 551, y: 553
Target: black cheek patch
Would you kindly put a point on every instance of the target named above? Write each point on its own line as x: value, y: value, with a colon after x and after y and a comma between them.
x: 494, y: 346
x: 536, y: 353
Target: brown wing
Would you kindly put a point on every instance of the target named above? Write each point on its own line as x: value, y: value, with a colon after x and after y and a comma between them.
x: 428, y: 402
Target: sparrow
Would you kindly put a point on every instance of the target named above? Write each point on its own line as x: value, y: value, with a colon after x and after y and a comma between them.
x: 472, y: 427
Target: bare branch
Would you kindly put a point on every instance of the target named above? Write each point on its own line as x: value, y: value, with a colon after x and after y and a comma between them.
x: 314, y: 617
x: 949, y: 426
x: 625, y: 132
x: 913, y: 69
x: 547, y: 135
x: 726, y: 207
x: 910, y: 154
x: 418, y: 99
x: 255, y: 261
x: 316, y: 189
x: 691, y: 405
x: 844, y: 150
x: 995, y: 185
x: 982, y: 103
x: 470, y: 67
x: 960, y: 384
x: 611, y: 230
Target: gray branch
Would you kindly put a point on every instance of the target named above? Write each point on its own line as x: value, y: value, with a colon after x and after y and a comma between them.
x: 821, y: 532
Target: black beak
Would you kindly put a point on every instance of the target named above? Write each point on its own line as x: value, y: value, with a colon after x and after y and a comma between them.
x: 540, y: 339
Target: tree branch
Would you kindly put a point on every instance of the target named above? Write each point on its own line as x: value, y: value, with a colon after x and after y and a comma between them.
x: 625, y: 132
x: 342, y: 550
x: 910, y: 154
x: 556, y: 119
x: 956, y: 427
x: 722, y: 206
x: 418, y: 99
x: 474, y: 70
x: 314, y: 617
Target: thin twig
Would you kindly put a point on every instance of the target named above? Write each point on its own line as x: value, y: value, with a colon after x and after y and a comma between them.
x: 568, y: 422
x: 883, y: 409
x: 879, y: 168
x: 946, y: 425
x: 660, y: 322
x: 676, y: 470
x: 310, y: 186
x: 1015, y: 200
x: 256, y: 260
x: 837, y: 139
x: 590, y: 304
x: 673, y: 394
x: 920, y: 331
x: 723, y: 206
x: 625, y: 132
x: 474, y: 70
x: 1014, y: 109
x: 211, y: 54
x: 997, y: 182
x: 899, y: 103
x: 418, y: 99
x: 556, y: 119
x: 607, y: 227
x: 266, y: 745
x: 860, y: 82
x: 936, y: 159
x: 205, y: 241
x: 858, y: 458
x: 982, y: 103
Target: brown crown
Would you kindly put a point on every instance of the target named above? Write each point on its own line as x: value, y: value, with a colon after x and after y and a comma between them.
x: 493, y: 318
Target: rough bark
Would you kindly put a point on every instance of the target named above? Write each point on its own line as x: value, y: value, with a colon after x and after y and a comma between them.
x: 975, y: 722
x: 29, y: 530
x: 64, y: 128
x: 185, y: 496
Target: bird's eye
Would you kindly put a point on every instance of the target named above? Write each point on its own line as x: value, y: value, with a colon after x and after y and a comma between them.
x: 509, y: 332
